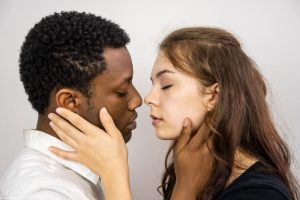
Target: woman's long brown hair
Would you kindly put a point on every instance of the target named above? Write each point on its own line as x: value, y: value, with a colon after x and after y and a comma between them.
x: 241, y: 119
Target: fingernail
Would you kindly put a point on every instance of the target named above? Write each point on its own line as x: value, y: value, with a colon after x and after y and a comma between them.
x: 185, y: 123
x: 51, y: 124
x: 50, y: 148
x: 104, y: 109
x: 50, y: 116
x: 59, y: 110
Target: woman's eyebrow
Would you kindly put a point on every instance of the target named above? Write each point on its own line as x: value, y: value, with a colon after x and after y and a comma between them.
x: 160, y: 73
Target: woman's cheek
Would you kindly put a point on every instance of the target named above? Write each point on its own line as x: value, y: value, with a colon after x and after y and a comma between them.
x: 197, y: 119
x: 177, y: 125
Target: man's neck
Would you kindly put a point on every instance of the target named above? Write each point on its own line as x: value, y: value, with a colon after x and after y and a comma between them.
x: 43, y: 125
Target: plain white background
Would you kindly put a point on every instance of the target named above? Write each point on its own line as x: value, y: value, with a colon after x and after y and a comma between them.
x: 269, y: 31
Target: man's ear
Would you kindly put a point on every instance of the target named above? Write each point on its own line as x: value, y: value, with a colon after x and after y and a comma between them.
x: 213, y: 96
x: 69, y: 98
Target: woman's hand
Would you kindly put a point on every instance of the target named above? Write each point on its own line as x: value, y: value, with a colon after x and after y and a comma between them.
x: 104, y: 152
x: 193, y: 162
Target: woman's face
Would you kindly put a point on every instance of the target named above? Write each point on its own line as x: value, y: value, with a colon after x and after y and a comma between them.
x: 174, y: 96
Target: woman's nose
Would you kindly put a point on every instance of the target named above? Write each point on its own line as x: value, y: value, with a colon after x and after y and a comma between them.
x: 150, y: 98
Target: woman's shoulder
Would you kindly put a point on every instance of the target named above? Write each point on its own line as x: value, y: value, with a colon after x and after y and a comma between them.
x: 258, y: 183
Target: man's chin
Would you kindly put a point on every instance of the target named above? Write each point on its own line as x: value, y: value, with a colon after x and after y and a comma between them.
x: 127, y: 137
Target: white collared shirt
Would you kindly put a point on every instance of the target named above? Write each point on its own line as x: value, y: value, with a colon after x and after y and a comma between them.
x: 37, y: 174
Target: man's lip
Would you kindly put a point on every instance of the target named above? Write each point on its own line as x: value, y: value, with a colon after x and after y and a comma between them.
x: 134, y: 118
x: 132, y: 125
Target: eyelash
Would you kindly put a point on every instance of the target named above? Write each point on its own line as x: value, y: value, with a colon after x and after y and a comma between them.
x: 166, y: 87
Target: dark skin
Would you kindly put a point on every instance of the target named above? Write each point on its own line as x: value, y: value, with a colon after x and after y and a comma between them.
x: 112, y: 89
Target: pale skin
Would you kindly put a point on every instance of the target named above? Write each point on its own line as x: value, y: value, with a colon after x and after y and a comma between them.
x: 175, y: 96
x: 94, y: 146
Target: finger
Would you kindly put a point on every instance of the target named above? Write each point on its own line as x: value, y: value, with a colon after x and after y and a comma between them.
x: 79, y: 122
x: 108, y: 123
x: 69, y: 155
x: 200, y: 137
x: 64, y: 137
x: 184, y: 136
x: 64, y: 128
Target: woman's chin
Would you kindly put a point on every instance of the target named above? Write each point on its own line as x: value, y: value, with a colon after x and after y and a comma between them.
x: 164, y: 136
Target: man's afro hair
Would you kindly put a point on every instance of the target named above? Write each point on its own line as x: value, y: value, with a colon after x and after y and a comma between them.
x: 66, y: 50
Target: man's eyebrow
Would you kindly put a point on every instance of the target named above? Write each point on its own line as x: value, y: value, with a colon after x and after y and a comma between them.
x: 127, y: 80
x: 160, y: 73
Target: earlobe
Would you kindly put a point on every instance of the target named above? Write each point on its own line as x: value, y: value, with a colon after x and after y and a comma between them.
x: 68, y: 98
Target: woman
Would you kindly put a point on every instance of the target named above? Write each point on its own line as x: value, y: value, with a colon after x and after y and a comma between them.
x: 209, y: 97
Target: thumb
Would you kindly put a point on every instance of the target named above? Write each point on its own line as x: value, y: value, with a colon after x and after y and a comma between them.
x: 108, y: 123
x: 184, y: 136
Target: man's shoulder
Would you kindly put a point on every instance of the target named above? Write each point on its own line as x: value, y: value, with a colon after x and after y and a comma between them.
x: 35, y: 175
x: 30, y: 162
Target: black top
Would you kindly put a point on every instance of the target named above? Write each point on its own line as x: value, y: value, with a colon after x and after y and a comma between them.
x: 256, y: 183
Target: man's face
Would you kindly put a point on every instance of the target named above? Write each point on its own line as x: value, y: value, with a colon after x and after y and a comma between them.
x: 114, y: 90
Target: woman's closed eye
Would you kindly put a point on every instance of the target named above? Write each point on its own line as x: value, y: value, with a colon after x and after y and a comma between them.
x: 166, y: 87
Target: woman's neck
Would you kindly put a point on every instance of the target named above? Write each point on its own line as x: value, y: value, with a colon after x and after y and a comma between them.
x: 242, y: 162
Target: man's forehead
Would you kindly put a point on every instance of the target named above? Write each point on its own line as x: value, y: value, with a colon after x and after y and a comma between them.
x: 114, y: 77
x: 116, y: 55
x: 119, y: 69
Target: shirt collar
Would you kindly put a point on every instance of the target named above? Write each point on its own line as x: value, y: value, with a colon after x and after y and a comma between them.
x: 40, y: 141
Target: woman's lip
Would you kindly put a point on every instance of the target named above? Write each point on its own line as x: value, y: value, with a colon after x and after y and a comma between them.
x: 132, y: 125
x: 156, y: 121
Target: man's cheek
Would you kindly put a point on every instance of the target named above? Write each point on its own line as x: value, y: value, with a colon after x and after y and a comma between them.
x: 116, y: 120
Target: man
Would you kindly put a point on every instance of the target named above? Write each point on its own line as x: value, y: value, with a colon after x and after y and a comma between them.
x: 80, y: 62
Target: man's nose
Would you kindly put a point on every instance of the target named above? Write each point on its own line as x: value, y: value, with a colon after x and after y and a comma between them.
x: 135, y: 101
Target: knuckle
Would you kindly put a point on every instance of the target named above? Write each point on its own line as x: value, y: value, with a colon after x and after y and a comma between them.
x: 76, y: 120
x: 85, y: 143
x: 67, y: 130
x: 60, y: 154
x: 67, y: 140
